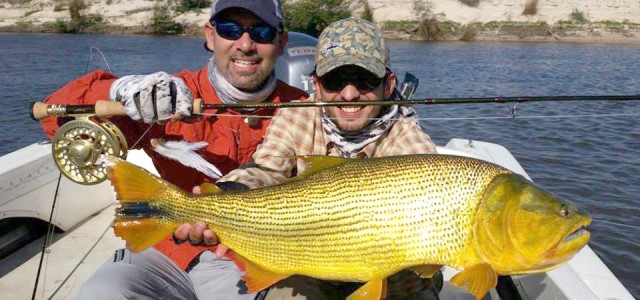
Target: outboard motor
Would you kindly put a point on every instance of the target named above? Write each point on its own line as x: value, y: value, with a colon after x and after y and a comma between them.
x: 295, y: 66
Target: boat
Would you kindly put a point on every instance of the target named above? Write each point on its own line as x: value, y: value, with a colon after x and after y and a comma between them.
x: 86, y: 246
x: 84, y: 213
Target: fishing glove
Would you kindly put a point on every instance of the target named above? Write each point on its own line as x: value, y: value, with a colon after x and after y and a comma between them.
x: 153, y: 97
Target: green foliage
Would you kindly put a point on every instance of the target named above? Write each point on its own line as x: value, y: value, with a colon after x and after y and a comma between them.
x: 578, y: 16
x: 188, y: 5
x: 79, y: 21
x: 367, y: 11
x: 162, y: 21
x: 75, y: 9
x: 312, y: 16
x: 24, y: 25
x: 616, y: 23
x: 18, y: 2
x: 406, y: 26
x: 430, y: 30
x: 469, y: 32
x: 57, y: 26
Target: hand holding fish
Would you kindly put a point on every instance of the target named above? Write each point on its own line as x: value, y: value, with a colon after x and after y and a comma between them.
x: 199, y: 233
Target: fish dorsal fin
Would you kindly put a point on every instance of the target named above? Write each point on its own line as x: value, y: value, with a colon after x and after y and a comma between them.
x: 478, y: 279
x: 208, y: 188
x: 426, y: 271
x: 372, y: 290
x: 318, y: 163
x: 256, y: 278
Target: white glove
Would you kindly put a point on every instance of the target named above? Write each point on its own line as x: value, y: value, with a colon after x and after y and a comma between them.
x: 153, y: 97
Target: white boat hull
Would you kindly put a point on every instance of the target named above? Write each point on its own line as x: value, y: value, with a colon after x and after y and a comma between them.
x: 584, y: 277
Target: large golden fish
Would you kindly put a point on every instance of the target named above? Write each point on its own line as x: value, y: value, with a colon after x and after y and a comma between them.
x: 364, y: 220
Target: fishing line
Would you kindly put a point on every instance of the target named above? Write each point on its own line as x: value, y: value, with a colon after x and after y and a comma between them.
x: 50, y: 228
x: 46, y: 238
x: 617, y: 224
x: 449, y: 118
x: 143, y: 135
x: 91, y: 58
x: 94, y: 244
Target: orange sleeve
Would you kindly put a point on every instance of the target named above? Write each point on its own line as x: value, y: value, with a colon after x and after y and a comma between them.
x: 87, y: 89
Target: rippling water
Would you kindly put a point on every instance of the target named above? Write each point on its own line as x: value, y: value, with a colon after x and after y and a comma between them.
x: 568, y: 148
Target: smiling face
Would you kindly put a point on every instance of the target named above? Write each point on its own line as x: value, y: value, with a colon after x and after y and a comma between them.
x: 341, y: 84
x: 245, y: 63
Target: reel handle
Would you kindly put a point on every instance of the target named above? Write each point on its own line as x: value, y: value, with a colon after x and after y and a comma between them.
x: 102, y: 108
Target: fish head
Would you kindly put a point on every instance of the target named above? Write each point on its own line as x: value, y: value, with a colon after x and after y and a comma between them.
x: 522, y: 228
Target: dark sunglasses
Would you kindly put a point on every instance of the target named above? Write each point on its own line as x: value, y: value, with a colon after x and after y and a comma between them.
x: 363, y: 81
x: 258, y: 33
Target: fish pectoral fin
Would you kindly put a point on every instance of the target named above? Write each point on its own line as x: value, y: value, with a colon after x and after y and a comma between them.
x: 141, y: 234
x: 208, y: 188
x: 372, y: 290
x: 426, y: 271
x: 256, y: 278
x: 478, y: 279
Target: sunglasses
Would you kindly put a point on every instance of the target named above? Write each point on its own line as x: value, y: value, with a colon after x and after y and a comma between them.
x: 258, y: 33
x: 363, y: 81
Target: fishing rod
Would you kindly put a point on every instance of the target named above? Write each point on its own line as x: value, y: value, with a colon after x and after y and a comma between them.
x: 79, y: 143
x: 103, y: 108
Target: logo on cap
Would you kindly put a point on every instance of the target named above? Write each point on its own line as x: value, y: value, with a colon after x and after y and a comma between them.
x: 330, y: 47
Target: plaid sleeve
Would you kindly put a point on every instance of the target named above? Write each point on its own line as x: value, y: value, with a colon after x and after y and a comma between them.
x: 406, y: 137
x: 273, y: 161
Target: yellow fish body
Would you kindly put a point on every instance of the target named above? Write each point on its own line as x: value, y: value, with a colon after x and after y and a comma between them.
x: 364, y: 220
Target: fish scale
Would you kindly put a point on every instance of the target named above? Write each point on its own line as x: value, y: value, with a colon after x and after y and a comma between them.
x: 362, y: 218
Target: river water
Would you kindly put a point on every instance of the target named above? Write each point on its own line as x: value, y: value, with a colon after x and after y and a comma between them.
x: 586, y: 152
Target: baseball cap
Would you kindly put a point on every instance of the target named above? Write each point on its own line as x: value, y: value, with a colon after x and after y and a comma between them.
x: 270, y: 11
x: 352, y: 41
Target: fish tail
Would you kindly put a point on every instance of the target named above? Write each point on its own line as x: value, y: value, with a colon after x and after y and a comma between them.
x: 141, y: 218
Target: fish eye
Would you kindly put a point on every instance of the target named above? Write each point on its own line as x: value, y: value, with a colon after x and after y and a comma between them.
x: 565, y: 212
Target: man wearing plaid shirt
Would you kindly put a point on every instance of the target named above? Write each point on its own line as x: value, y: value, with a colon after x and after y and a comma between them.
x: 352, y: 64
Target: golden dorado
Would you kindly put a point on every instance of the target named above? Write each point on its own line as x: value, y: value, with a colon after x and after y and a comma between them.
x: 363, y: 220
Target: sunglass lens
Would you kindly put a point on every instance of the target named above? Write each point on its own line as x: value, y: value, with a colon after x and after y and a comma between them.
x: 229, y: 30
x: 233, y: 31
x: 368, y: 82
x: 262, y: 33
x: 336, y: 82
x: 333, y: 83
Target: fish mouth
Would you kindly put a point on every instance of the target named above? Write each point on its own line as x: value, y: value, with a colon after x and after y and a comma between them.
x: 571, y: 243
x: 581, y: 231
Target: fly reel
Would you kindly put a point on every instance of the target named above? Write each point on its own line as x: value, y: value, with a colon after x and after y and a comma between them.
x: 78, y: 145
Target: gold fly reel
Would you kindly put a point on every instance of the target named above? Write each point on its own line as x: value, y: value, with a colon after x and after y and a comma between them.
x: 78, y: 145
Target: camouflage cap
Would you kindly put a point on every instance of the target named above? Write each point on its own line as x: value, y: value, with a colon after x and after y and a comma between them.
x: 352, y: 42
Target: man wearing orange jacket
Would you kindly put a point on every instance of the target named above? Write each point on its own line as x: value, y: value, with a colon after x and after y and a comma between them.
x: 246, y: 37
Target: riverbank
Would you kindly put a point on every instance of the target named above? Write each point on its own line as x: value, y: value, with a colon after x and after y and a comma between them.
x: 592, y: 21
x: 447, y: 31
